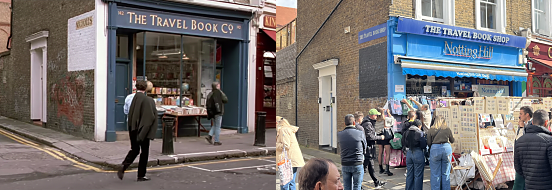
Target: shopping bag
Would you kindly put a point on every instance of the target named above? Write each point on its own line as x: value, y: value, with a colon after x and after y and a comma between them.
x: 284, y: 167
x: 395, y: 158
x: 403, y: 160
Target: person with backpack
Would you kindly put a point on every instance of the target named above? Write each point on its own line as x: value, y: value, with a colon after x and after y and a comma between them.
x: 384, y: 145
x: 439, y: 139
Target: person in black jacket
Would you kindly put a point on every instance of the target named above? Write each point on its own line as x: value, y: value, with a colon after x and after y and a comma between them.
x: 414, y: 141
x: 215, y: 109
x: 371, y: 137
x: 533, y: 153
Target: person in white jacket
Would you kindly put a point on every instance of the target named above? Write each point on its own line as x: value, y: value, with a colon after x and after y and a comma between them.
x: 285, y: 138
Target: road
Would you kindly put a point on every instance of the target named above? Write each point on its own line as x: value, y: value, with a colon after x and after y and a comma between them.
x: 26, y: 165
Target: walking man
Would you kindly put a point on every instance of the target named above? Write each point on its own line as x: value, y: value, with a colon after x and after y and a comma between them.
x: 142, y: 125
x: 370, y: 132
x: 533, y: 153
x: 215, y: 109
x: 352, y: 154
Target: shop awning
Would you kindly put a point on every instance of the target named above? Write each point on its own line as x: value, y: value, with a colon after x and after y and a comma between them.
x: 546, y: 63
x: 418, y: 66
x: 270, y: 33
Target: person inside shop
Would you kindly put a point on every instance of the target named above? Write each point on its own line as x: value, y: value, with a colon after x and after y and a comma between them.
x: 414, y: 141
x: 215, y: 109
x: 285, y: 139
x: 439, y: 139
x: 370, y: 132
x: 525, y: 119
x: 383, y: 127
x: 352, y: 154
x: 533, y: 153
x: 142, y: 126
x: 319, y: 174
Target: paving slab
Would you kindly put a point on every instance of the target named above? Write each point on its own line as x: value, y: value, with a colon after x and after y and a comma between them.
x: 111, y: 154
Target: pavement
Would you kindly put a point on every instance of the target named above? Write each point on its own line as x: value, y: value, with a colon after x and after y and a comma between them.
x: 111, y: 154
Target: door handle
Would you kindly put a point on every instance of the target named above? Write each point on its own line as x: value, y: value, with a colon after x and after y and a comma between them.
x: 116, y: 100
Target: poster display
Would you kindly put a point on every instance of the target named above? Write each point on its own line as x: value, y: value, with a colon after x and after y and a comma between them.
x: 502, y: 103
x: 490, y: 105
x: 479, y: 104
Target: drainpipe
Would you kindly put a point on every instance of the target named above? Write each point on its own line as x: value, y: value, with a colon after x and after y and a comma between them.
x: 11, y: 26
x: 297, y: 58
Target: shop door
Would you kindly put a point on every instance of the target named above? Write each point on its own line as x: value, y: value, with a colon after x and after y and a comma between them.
x: 121, y: 91
x: 327, y: 133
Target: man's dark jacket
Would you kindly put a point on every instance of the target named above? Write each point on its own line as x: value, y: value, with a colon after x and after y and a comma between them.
x: 371, y: 137
x: 533, y: 157
x: 142, y: 117
x: 216, y: 99
x: 352, y: 146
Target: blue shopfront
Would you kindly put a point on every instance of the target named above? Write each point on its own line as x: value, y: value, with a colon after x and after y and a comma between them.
x: 436, y: 60
x: 182, y: 49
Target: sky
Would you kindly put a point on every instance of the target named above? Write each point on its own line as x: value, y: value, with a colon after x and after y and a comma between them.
x: 287, y: 3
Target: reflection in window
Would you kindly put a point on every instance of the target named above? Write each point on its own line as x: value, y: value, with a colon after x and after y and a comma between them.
x: 488, y: 14
x: 432, y: 8
x: 541, y: 16
x: 269, y: 79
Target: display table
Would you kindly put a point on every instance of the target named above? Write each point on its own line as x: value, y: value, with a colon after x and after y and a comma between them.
x: 197, y: 118
x: 506, y: 172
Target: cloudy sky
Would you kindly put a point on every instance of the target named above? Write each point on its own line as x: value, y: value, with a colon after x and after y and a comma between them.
x: 287, y: 3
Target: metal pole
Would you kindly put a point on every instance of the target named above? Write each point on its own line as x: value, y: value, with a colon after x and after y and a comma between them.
x: 181, y: 69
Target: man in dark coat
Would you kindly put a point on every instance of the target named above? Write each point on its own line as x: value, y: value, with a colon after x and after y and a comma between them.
x: 533, y: 153
x: 215, y: 109
x: 370, y: 133
x: 142, y: 125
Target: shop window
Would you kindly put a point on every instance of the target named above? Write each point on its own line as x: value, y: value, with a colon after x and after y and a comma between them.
x: 490, y: 15
x: 435, y: 10
x: 176, y: 65
x: 269, y: 80
x: 542, y: 17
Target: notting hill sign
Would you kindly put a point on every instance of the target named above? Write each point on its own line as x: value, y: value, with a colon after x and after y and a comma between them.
x: 407, y: 25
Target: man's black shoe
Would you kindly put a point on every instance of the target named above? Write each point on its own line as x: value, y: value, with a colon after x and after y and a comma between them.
x: 121, y: 172
x: 208, y: 138
x: 143, y: 179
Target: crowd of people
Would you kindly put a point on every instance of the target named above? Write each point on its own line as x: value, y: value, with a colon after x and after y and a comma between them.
x: 426, y: 139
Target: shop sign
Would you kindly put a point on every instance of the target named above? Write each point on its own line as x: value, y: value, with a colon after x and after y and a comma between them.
x: 540, y: 51
x: 481, y: 52
x: 412, y: 26
x: 492, y: 90
x: 85, y: 22
x: 269, y: 21
x: 372, y: 33
x: 178, y: 23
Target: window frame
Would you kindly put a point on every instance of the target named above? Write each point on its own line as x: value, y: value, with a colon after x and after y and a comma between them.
x: 448, y: 13
x: 500, y: 16
x: 548, y: 12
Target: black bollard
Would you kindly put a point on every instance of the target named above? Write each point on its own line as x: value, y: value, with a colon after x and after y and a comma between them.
x: 168, y: 128
x: 260, y: 129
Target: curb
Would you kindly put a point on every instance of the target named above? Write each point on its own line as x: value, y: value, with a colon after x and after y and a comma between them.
x: 156, y: 161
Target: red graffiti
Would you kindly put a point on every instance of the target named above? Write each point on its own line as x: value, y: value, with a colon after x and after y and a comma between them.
x: 68, y: 95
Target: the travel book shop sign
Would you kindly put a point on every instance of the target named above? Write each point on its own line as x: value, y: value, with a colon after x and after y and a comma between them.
x: 412, y: 26
x: 178, y: 23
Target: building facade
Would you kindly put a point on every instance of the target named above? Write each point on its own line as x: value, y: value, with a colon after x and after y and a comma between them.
x: 5, y: 24
x: 352, y: 60
x: 285, y: 79
x: 82, y: 64
x: 539, y: 52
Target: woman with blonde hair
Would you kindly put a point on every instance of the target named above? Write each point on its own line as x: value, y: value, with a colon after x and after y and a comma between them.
x: 383, y: 127
x: 285, y: 139
x: 439, y: 139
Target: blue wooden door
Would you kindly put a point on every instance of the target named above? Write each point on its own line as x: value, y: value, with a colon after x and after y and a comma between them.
x: 121, y: 91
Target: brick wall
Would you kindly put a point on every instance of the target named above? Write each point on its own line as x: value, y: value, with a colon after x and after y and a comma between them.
x: 70, y: 98
x: 285, y: 83
x: 403, y: 8
x: 331, y: 42
x: 518, y: 15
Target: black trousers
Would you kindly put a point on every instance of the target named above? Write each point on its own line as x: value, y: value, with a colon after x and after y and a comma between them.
x: 369, y: 166
x: 135, y: 147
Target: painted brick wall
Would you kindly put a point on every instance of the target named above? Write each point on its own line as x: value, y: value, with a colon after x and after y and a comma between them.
x: 70, y: 94
x: 285, y: 83
x: 331, y: 42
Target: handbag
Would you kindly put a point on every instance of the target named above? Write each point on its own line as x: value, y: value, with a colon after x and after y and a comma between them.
x: 284, y: 168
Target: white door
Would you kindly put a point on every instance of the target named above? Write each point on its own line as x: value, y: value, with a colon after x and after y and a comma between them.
x: 326, y: 127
